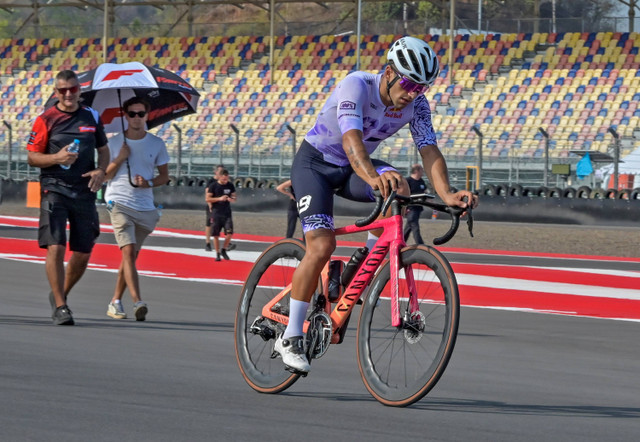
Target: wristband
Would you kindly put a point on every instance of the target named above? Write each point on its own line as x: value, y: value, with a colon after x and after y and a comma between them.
x: 150, y: 183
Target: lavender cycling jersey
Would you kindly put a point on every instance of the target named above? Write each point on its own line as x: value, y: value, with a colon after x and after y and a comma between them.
x: 355, y: 104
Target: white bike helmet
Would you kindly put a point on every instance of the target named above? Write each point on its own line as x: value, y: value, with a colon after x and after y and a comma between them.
x: 414, y: 59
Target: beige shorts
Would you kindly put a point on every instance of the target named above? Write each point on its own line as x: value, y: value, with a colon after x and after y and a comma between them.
x: 131, y: 226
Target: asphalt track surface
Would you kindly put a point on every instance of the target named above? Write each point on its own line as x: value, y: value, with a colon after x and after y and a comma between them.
x: 515, y: 375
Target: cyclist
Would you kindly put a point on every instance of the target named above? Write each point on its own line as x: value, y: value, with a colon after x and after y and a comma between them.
x: 363, y: 110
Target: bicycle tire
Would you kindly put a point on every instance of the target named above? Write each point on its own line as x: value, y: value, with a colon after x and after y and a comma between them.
x: 270, y: 274
x: 395, y: 370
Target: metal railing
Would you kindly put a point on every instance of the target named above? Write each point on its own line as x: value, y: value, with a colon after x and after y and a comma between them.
x: 92, y: 27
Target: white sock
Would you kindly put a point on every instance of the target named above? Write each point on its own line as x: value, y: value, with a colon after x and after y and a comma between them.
x: 371, y: 240
x: 297, y: 315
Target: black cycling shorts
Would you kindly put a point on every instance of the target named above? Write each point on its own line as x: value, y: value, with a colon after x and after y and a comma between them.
x: 315, y: 181
x: 84, y: 224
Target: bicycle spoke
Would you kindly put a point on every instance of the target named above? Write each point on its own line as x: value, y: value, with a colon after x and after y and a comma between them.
x: 400, y: 365
x: 270, y: 276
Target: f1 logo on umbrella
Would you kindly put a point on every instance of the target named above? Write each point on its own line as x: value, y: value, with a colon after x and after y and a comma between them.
x: 114, y: 75
x: 108, y: 115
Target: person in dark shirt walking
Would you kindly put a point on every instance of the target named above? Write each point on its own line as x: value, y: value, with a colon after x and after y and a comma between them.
x: 412, y: 217
x: 68, y: 184
x: 292, y: 209
x: 221, y: 194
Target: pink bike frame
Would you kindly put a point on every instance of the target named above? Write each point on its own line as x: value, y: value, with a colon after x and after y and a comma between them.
x: 391, y: 240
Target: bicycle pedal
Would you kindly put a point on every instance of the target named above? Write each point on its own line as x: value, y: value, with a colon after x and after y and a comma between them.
x: 294, y: 371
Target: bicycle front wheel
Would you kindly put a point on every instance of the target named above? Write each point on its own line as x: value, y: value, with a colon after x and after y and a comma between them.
x: 400, y: 365
x: 254, y: 334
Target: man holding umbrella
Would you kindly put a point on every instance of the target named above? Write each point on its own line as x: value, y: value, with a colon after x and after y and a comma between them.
x: 130, y: 196
x: 68, y: 182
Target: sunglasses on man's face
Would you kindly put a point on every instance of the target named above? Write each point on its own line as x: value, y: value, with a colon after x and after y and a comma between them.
x: 410, y: 86
x: 133, y: 114
x: 64, y: 90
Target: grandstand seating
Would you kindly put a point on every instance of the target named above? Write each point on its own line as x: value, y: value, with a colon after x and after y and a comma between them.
x: 574, y: 85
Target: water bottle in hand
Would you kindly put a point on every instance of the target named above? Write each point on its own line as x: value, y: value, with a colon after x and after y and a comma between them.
x: 73, y: 148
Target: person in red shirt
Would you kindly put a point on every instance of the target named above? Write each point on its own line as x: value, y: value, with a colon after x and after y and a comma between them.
x: 68, y: 185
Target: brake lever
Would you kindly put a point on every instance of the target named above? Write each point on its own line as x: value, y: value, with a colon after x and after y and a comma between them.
x: 387, y: 202
x: 470, y: 220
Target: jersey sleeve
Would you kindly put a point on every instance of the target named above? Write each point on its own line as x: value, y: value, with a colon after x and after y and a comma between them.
x: 39, y: 136
x: 421, y: 125
x: 351, y: 94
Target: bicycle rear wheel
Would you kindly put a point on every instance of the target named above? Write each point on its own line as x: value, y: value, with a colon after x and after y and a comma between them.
x: 400, y: 365
x: 254, y: 334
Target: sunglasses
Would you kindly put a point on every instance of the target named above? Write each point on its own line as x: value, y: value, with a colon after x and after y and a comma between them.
x: 133, y: 114
x: 410, y: 86
x: 64, y: 90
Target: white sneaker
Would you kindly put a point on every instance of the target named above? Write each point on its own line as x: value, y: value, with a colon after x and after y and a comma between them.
x: 116, y: 311
x: 292, y: 351
x: 140, y: 310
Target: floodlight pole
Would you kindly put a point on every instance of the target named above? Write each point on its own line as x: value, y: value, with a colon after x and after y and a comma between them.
x: 293, y: 147
x: 545, y: 134
x: 616, y: 155
x: 476, y: 129
x: 272, y: 41
x: 358, y: 31
x: 452, y: 21
x: 179, y: 155
x: 105, y: 31
x: 237, y: 152
x: 8, y: 125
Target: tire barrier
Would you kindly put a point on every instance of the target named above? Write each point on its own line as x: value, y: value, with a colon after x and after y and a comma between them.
x: 489, y: 190
x: 238, y: 183
x: 530, y: 209
x: 551, y: 192
x: 250, y: 183
x: 173, y: 181
x: 582, y: 192
x: 611, y: 194
x: 623, y: 194
x: 516, y: 190
x: 502, y: 190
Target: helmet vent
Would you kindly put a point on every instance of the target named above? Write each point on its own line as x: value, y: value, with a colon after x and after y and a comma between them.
x: 417, y: 68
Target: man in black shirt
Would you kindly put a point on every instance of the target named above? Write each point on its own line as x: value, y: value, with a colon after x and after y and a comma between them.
x: 68, y: 183
x: 221, y: 194
x: 412, y: 217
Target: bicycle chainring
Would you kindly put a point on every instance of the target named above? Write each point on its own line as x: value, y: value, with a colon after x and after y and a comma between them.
x: 413, y: 327
x: 318, y: 335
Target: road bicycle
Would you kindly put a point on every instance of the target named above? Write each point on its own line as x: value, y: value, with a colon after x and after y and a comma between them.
x: 408, y: 322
